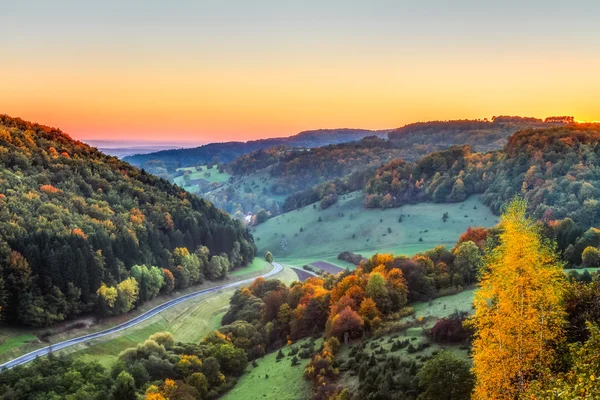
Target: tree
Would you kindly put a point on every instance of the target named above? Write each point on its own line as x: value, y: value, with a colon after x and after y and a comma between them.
x: 377, y: 290
x: 590, y: 257
x: 169, y: 281
x: 127, y: 295
x: 368, y: 309
x: 199, y: 381
x: 124, y: 388
x: 467, y: 261
x: 165, y: 339
x: 518, y: 312
x: 581, y: 381
x: 218, y: 267
x: 347, y: 321
x: 268, y: 257
x: 445, y: 377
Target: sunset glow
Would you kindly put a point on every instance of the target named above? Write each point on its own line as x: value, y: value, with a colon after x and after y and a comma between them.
x: 240, y: 71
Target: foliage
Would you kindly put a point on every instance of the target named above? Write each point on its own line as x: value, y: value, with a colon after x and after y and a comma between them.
x: 518, y: 311
x: 74, y: 219
x: 581, y: 380
x: 445, y: 377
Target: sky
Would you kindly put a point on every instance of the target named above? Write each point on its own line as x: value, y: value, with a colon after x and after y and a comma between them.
x: 221, y: 70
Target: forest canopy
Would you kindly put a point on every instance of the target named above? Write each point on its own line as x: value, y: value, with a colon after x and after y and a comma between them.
x: 75, y: 223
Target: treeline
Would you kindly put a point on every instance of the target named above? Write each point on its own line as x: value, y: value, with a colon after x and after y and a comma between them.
x: 74, y: 221
x: 481, y: 135
x: 257, y: 160
x: 327, y: 193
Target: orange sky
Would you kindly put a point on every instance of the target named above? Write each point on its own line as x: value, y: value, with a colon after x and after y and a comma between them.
x: 200, y: 73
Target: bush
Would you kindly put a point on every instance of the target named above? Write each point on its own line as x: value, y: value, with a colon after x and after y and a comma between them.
x: 450, y: 330
x: 268, y: 257
x: 350, y: 257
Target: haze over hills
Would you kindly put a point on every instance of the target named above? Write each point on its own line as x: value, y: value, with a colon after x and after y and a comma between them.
x: 124, y: 148
x: 226, y: 152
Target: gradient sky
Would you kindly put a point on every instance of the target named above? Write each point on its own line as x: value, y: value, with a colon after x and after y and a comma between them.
x: 221, y: 70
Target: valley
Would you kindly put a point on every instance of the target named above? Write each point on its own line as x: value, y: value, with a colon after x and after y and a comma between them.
x: 377, y: 264
x: 205, y: 200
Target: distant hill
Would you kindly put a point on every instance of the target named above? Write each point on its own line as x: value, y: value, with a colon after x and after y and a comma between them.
x: 170, y: 160
x: 74, y: 223
x: 481, y: 135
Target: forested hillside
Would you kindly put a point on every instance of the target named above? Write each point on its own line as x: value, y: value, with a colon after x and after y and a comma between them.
x: 556, y: 169
x: 164, y: 163
x: 80, y: 230
x: 481, y: 135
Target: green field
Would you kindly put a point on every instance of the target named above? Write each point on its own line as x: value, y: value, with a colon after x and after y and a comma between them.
x: 284, y: 382
x: 208, y: 176
x: 349, y: 226
x: 188, y: 322
x: 259, y: 182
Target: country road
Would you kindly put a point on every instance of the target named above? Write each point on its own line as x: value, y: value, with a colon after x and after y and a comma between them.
x: 141, y: 318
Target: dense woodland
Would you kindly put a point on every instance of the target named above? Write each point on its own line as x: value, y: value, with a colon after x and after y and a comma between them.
x: 481, y: 135
x: 81, y: 231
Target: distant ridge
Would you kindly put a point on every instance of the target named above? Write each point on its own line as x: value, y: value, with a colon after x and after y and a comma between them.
x: 228, y: 151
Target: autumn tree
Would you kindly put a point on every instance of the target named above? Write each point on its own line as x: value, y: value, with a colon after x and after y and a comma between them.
x: 347, y: 321
x: 590, y: 258
x: 518, y: 312
x: 581, y: 381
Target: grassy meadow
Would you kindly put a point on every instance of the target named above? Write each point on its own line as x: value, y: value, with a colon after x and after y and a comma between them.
x: 284, y: 382
x: 208, y: 176
x: 312, y: 234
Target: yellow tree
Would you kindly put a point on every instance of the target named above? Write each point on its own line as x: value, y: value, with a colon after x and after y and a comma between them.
x: 518, y: 310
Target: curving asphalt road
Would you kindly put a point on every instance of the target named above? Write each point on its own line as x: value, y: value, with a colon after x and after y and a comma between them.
x: 140, y: 318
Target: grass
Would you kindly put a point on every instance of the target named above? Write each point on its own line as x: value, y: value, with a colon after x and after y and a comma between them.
x: 260, y: 182
x: 349, y: 226
x: 258, y: 265
x: 285, y: 382
x: 11, y: 341
x: 215, y: 177
x: 16, y: 342
x: 444, y: 306
x: 188, y: 322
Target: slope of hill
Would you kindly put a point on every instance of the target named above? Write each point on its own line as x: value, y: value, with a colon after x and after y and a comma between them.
x: 74, y: 222
x: 556, y: 169
x: 169, y: 160
x: 481, y: 135
x: 266, y: 178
